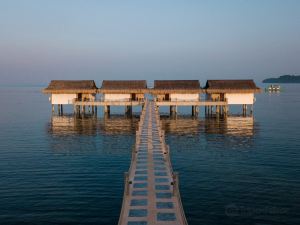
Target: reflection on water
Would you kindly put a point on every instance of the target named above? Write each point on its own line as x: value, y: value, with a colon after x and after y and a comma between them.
x: 119, y: 125
x: 91, y: 125
x: 231, y: 125
x: 234, y: 126
x: 72, y: 125
x: 234, y: 132
x: 182, y: 125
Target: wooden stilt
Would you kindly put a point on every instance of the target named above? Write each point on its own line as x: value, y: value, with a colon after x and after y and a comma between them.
x: 107, y: 109
x: 217, y: 109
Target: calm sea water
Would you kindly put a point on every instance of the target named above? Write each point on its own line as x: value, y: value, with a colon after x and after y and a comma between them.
x: 63, y: 170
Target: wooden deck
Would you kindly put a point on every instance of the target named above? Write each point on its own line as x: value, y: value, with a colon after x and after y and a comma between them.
x: 108, y: 103
x: 158, y: 103
x: 191, y: 103
x: 151, y: 194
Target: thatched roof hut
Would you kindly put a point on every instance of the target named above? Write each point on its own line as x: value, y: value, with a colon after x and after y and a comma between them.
x: 123, y: 87
x: 71, y: 87
x: 176, y: 86
x: 231, y: 86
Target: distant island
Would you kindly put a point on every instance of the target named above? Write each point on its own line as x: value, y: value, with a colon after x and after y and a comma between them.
x: 284, y: 79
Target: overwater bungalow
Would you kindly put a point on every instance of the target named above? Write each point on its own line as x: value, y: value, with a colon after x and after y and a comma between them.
x: 123, y: 92
x: 234, y: 92
x: 177, y: 92
x: 65, y: 92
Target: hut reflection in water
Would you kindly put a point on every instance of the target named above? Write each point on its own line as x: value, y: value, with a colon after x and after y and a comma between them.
x: 91, y: 126
x: 232, y: 131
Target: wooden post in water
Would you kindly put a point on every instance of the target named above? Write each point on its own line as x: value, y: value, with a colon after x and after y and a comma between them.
x: 172, y: 110
x: 217, y: 110
x: 128, y: 110
x: 53, y: 109
x: 107, y: 109
x: 197, y: 108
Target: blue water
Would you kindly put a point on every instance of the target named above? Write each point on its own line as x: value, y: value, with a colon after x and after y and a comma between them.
x: 63, y: 170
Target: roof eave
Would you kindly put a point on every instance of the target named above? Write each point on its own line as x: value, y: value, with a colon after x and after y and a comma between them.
x: 212, y: 91
x: 69, y: 91
x: 174, y: 91
x: 122, y: 91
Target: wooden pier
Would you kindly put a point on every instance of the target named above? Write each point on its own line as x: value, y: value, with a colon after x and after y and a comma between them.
x: 151, y: 192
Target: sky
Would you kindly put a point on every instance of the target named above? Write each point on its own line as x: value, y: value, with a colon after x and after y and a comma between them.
x: 41, y: 40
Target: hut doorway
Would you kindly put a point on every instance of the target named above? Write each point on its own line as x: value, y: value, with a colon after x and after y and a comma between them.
x: 133, y: 97
x: 79, y: 96
x: 222, y: 97
x: 167, y: 97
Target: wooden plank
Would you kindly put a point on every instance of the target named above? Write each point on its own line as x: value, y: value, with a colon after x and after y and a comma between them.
x: 191, y: 103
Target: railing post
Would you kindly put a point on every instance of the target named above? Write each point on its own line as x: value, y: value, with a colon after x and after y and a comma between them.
x: 126, y: 183
x: 175, y: 183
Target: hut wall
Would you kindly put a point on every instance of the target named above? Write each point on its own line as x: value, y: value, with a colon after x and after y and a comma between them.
x: 62, y: 98
x: 240, y: 98
x: 184, y: 97
x: 117, y: 97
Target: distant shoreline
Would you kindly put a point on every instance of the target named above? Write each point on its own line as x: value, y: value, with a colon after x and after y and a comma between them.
x: 289, y: 79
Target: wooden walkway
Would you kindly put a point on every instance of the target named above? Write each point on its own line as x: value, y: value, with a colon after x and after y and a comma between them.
x: 151, y: 194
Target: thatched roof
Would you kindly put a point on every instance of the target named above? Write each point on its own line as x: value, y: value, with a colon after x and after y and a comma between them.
x: 231, y: 86
x: 176, y: 86
x: 70, y: 87
x: 123, y: 86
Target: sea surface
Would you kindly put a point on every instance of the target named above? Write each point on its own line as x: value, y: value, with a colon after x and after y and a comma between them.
x: 70, y: 170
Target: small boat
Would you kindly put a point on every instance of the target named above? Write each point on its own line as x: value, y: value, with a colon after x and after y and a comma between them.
x: 273, y: 88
